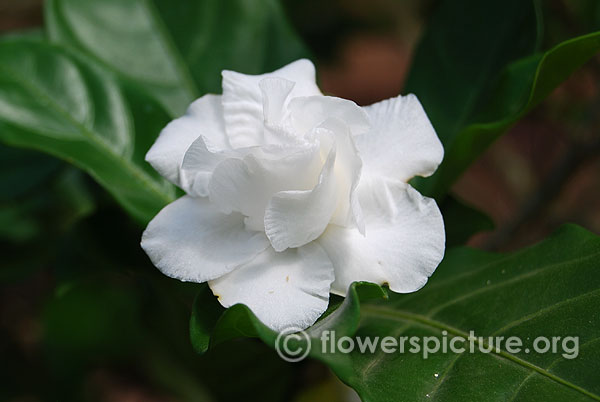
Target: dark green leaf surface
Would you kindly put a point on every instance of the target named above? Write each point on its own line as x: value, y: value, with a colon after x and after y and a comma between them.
x: 176, y: 50
x: 466, y: 45
x: 462, y: 221
x: 464, y: 76
x: 550, y: 289
x: 522, y: 86
x: 51, y: 101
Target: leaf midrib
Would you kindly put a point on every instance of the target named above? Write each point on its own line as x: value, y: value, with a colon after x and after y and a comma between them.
x: 398, y: 315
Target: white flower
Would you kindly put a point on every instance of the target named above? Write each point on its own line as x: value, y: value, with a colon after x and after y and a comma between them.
x: 292, y: 195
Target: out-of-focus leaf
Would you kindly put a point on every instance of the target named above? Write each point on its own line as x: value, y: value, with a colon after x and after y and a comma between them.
x: 462, y: 221
x: 465, y: 47
x: 212, y: 35
x: 205, y: 314
x: 550, y: 289
x: 53, y: 102
x: 23, y: 170
x: 128, y: 37
x: 39, y: 195
x: 92, y: 319
x: 522, y: 86
x: 176, y: 50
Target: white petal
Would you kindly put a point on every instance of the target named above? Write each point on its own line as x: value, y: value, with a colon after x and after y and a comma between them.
x: 199, y: 163
x: 288, y: 289
x: 404, y: 241
x: 275, y: 92
x: 310, y: 111
x: 295, y: 218
x: 246, y: 185
x: 190, y: 240
x: 203, y: 117
x: 243, y: 100
x: 402, y: 142
x: 348, y: 167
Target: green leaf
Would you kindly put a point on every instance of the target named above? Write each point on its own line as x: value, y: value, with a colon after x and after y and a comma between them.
x: 54, y: 102
x: 465, y: 47
x: 22, y: 171
x: 176, y: 50
x: 550, y: 289
x: 522, y: 86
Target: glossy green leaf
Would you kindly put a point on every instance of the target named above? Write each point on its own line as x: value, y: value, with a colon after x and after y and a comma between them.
x: 176, y: 50
x: 550, y: 289
x: 465, y: 47
x: 54, y: 102
x: 522, y: 86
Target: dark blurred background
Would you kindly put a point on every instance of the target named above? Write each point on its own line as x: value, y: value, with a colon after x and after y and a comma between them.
x: 75, y: 325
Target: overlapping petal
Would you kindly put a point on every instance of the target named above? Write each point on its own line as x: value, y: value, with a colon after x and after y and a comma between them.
x: 192, y: 241
x: 294, y: 218
x: 203, y: 117
x: 308, y: 112
x: 401, y: 143
x: 246, y: 185
x: 404, y: 240
x: 287, y: 289
x: 243, y: 99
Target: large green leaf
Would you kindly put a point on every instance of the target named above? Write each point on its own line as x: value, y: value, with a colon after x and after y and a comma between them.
x: 176, y: 49
x: 551, y: 289
x: 463, y: 70
x: 522, y: 86
x: 53, y: 102
x: 466, y: 45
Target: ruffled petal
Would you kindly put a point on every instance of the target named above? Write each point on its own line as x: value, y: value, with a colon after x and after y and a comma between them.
x: 203, y: 117
x: 284, y: 290
x: 311, y: 111
x: 295, y: 218
x: 348, y: 167
x: 404, y: 243
x: 191, y: 240
x: 402, y: 142
x: 199, y: 163
x: 243, y: 99
x: 246, y: 185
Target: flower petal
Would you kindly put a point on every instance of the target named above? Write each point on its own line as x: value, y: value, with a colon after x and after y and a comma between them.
x: 243, y: 99
x: 402, y: 142
x: 295, y: 218
x: 404, y: 243
x: 348, y: 167
x: 199, y: 163
x: 275, y: 92
x: 190, y: 240
x: 246, y: 185
x: 284, y: 290
x: 308, y: 112
x: 203, y: 117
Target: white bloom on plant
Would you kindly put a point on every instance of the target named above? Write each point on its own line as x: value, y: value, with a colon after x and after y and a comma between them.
x: 292, y: 195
